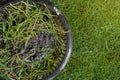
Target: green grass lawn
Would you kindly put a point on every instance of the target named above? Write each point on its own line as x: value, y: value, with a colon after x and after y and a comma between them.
x: 95, y: 26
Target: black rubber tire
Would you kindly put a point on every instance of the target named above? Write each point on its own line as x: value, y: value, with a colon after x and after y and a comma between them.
x: 65, y: 26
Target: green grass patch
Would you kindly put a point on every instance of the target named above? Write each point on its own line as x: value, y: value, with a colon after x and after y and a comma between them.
x: 95, y: 26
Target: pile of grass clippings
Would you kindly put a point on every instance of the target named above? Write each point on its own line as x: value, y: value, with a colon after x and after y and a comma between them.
x: 32, y: 41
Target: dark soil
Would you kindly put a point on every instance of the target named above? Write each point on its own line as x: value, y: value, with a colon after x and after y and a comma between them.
x: 39, y: 46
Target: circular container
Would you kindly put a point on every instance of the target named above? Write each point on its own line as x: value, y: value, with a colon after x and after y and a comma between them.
x: 65, y: 26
